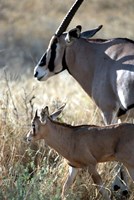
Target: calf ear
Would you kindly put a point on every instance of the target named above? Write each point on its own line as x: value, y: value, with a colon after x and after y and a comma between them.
x: 36, y: 114
x: 44, y: 114
x: 55, y: 114
x: 73, y: 33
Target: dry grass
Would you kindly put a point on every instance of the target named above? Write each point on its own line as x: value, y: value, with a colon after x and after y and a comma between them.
x: 20, y: 161
x: 37, y: 172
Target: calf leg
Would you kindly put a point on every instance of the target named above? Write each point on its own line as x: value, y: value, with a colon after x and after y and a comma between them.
x: 120, y: 182
x: 98, y: 182
x: 69, y: 181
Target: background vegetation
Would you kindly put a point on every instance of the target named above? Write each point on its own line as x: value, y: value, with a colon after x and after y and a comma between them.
x: 34, y: 171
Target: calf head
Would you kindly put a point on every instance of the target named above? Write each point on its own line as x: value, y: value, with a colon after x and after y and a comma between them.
x: 39, y: 123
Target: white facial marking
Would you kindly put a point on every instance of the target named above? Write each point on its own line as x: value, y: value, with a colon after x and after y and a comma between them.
x: 41, y: 74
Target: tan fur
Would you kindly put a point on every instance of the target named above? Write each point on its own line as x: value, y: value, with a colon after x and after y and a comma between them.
x: 86, y: 146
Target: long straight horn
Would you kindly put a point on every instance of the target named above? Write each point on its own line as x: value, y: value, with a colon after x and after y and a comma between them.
x: 64, y: 24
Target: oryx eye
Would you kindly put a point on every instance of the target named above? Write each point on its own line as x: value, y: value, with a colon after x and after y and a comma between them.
x: 43, y: 61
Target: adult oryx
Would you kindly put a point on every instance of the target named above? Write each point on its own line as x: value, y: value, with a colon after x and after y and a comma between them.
x: 104, y: 68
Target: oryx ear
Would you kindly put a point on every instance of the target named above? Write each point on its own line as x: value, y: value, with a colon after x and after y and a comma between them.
x: 90, y: 33
x: 44, y: 114
x: 55, y: 114
x: 73, y: 33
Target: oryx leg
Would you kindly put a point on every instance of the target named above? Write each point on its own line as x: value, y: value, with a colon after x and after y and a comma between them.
x: 69, y: 181
x: 120, y: 182
x: 98, y: 182
x: 109, y: 117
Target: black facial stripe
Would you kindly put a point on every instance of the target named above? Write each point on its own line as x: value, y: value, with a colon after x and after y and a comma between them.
x: 43, y: 61
x: 64, y: 64
x: 53, y: 55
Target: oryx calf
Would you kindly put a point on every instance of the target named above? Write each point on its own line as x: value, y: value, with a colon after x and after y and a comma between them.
x: 86, y: 145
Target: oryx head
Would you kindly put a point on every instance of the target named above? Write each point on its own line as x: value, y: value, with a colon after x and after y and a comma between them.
x: 46, y: 66
x: 53, y: 60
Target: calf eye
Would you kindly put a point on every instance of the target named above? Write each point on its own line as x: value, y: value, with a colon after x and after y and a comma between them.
x: 33, y: 127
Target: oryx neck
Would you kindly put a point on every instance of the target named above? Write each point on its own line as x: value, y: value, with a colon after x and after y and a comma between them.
x: 64, y: 63
x: 82, y: 64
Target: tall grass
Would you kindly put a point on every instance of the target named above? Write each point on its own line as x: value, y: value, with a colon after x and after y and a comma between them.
x: 32, y: 172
